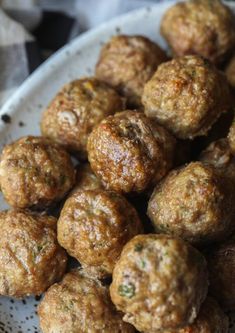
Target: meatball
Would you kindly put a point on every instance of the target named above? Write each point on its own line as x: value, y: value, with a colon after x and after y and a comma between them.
x: 231, y: 137
x: 94, y: 225
x: 34, y: 173
x: 75, y: 110
x: 203, y: 27
x: 221, y: 265
x: 31, y: 260
x: 80, y: 305
x: 230, y: 72
x: 219, y: 155
x: 159, y: 283
x: 211, y: 319
x: 187, y: 95
x: 86, y: 179
x: 195, y: 203
x: 127, y: 62
x: 129, y: 152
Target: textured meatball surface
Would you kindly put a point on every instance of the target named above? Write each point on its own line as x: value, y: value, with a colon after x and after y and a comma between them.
x: 80, y: 305
x: 221, y: 265
x: 31, y: 259
x: 211, y: 319
x: 34, y: 173
x: 203, y: 27
x: 159, y: 282
x: 219, y: 155
x: 86, y: 179
x: 127, y: 62
x: 129, y: 151
x: 94, y: 225
x: 187, y: 95
x: 195, y: 203
x: 75, y: 110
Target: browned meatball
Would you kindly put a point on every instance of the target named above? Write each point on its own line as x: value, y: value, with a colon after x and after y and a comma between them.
x: 31, y: 260
x: 203, y: 27
x: 211, y: 319
x: 127, y: 63
x: 94, y: 225
x: 231, y: 137
x: 129, y: 151
x: 35, y: 173
x: 86, y: 179
x: 75, y: 110
x: 159, y: 283
x: 230, y: 72
x: 187, y: 95
x: 80, y: 305
x: 195, y: 203
x: 221, y: 264
x: 219, y: 155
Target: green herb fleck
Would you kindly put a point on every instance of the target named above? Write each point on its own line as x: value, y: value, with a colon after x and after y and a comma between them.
x: 138, y: 247
x: 34, y: 255
x: 39, y: 248
x: 162, y: 228
x: 126, y: 290
x: 142, y: 263
x: 68, y: 306
x: 49, y: 180
x: 62, y: 179
x: 207, y: 63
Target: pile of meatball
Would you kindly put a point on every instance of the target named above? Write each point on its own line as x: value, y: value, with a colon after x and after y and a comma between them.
x: 146, y: 207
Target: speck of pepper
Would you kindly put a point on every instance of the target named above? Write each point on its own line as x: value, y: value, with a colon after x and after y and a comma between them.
x: 37, y: 298
x: 6, y: 118
x: 21, y: 124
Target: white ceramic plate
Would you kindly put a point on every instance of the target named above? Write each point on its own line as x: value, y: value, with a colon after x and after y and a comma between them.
x: 73, y: 61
